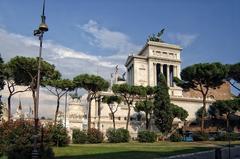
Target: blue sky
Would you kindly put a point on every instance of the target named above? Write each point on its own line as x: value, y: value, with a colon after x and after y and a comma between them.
x: 93, y: 36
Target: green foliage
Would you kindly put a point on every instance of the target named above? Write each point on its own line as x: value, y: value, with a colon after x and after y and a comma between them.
x: 94, y: 136
x: 226, y: 136
x: 224, y: 107
x: 16, y: 140
x: 128, y: 93
x: 162, y: 108
x: 112, y: 99
x: 201, y: 77
x: 234, y: 74
x: 179, y: 112
x: 58, y: 87
x: 79, y: 137
x: 176, y: 137
x: 91, y: 83
x: 200, y: 136
x: 23, y: 70
x: 147, y: 136
x: 118, y: 135
x: 58, y: 135
x: 208, y: 75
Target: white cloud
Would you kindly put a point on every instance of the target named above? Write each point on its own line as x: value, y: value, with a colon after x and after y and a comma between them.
x: 68, y: 61
x: 108, y: 39
x: 184, y: 40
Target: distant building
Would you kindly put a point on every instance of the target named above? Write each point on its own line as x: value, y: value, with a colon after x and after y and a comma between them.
x: 143, y: 69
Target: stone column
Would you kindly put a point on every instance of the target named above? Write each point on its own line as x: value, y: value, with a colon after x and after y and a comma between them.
x: 168, y: 75
x: 174, y: 73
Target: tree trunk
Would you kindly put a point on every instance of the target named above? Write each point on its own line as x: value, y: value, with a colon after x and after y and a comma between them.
x: 128, y: 116
x: 9, y: 107
x: 89, y: 114
x: 203, y: 114
x: 57, y: 109
x: 114, y: 125
x: 147, y: 121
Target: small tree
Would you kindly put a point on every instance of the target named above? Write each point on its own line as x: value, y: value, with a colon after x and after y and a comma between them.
x: 202, y: 77
x: 145, y: 104
x: 58, y: 87
x: 147, y: 107
x: 24, y: 72
x: 128, y: 93
x: 179, y: 112
x: 110, y: 100
x: 224, y: 108
x: 92, y: 84
x: 162, y: 109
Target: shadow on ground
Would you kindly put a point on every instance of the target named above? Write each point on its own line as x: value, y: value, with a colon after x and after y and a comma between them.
x: 132, y: 154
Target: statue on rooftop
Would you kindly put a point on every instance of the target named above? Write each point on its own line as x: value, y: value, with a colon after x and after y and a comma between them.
x: 156, y: 38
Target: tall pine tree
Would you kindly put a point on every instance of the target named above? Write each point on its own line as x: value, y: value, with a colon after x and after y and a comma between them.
x: 163, y: 115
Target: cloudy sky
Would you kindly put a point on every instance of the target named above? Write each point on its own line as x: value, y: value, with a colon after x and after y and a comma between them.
x: 92, y: 36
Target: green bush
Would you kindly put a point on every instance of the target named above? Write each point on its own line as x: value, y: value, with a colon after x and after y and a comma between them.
x: 147, y: 136
x: 225, y: 136
x: 16, y: 140
x: 58, y: 135
x: 118, y: 135
x: 176, y: 137
x: 200, y: 137
x: 79, y: 137
x: 94, y: 136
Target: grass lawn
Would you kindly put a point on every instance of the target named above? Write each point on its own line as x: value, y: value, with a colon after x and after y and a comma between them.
x: 133, y: 150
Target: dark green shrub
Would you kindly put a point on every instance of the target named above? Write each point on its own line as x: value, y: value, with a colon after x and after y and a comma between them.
x: 58, y: 135
x: 16, y: 140
x: 176, y: 137
x: 147, y: 136
x: 225, y: 136
x: 118, y: 135
x: 200, y: 137
x: 94, y: 136
x: 79, y: 137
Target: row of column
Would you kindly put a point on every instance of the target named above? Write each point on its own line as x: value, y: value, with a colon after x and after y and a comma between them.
x: 169, y: 71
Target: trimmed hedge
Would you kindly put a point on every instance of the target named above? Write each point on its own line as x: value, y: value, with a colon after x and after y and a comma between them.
x: 79, y: 137
x: 118, y: 135
x: 94, y: 136
x: 146, y: 136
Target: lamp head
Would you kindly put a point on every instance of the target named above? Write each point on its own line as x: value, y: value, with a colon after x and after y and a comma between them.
x: 43, y: 26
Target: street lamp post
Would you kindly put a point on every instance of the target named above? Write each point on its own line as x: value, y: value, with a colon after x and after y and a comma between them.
x: 39, y: 33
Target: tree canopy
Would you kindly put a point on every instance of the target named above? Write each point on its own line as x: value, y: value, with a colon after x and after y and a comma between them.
x: 23, y: 71
x: 234, y: 75
x: 93, y: 84
x: 129, y: 93
x: 110, y: 100
x: 58, y: 87
x: 202, y: 77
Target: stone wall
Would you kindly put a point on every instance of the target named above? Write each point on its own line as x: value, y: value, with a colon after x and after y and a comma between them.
x: 221, y: 93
